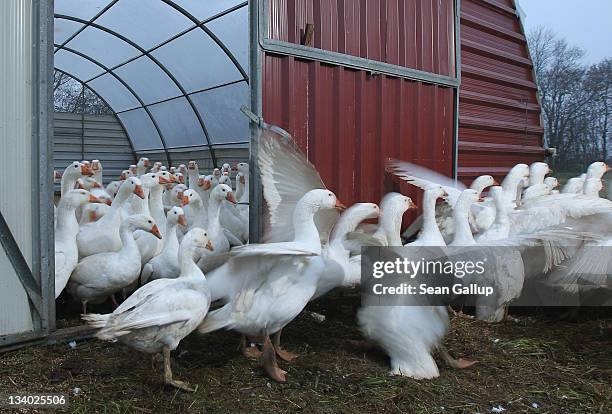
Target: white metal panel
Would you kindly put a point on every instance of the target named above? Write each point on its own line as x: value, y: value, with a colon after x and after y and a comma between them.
x: 16, y: 155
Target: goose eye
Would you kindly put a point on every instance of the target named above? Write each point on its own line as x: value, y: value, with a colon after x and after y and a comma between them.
x: 149, y: 221
x: 76, y: 166
x: 205, y: 234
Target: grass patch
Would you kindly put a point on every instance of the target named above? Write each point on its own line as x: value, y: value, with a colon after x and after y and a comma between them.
x: 558, y: 367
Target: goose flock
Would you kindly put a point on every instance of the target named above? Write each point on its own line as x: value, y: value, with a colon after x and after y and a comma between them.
x: 168, y: 246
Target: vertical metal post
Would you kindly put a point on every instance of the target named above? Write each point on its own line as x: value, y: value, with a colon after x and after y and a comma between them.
x: 255, y: 55
x: 457, y: 10
x: 42, y: 156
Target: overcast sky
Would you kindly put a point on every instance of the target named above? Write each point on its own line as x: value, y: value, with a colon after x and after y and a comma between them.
x: 584, y: 23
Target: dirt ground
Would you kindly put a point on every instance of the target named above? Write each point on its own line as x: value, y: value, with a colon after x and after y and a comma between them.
x: 539, y: 364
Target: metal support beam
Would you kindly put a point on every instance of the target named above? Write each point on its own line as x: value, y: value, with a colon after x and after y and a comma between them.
x: 457, y: 38
x: 13, y: 252
x: 255, y: 67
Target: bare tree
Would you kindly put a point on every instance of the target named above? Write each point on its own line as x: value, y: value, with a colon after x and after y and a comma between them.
x: 70, y: 95
x: 576, y: 100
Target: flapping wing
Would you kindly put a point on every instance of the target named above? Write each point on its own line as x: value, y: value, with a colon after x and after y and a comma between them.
x: 286, y: 175
x: 424, y: 177
x: 272, y: 249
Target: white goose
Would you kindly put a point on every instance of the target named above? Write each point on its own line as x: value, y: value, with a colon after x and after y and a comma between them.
x: 219, y: 236
x: 66, y: 230
x: 71, y: 174
x: 101, y: 275
x: 142, y: 165
x: 341, y: 269
x: 103, y: 235
x: 410, y: 334
x: 277, y: 280
x: 423, y: 178
x: 166, y: 265
x: 160, y: 314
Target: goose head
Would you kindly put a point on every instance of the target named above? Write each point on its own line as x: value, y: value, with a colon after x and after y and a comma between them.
x: 78, y: 198
x: 145, y: 223
x: 359, y: 212
x: 165, y: 178
x: 597, y: 170
x: 180, y: 178
x: 132, y: 185
x: 56, y: 176
x: 223, y: 192
x: 143, y: 162
x: 467, y: 198
x: 433, y: 193
x: 315, y: 200
x: 77, y: 170
x: 592, y: 187
x: 113, y: 187
x: 125, y: 174
x: 96, y: 167
x: 482, y: 182
x: 395, y: 204
x: 156, y: 166
x: 205, y: 182
x: 172, y: 170
x: 149, y: 180
x: 191, y: 197
x: 516, y: 174
x: 177, y: 191
x: 134, y: 170
x: 87, y: 183
x: 551, y: 183
x: 240, y: 178
x: 182, y: 168
x: 198, y: 238
x: 192, y: 166
x: 224, y: 179
x: 225, y: 168
x: 216, y: 173
x: 537, y: 172
x: 243, y: 167
x: 176, y: 215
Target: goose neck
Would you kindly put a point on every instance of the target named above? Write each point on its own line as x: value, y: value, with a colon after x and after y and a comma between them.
x: 305, y: 230
x: 186, y: 262
x: 463, y: 232
x: 129, y: 247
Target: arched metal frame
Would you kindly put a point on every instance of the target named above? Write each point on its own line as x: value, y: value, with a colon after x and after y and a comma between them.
x: 198, y: 25
x: 83, y: 84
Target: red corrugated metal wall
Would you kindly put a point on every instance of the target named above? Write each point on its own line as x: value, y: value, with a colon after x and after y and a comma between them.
x: 348, y: 121
x: 499, y: 115
x: 417, y: 34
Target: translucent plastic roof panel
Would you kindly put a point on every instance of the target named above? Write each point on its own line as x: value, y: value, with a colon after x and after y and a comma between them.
x: 197, y: 61
x: 77, y: 66
x: 83, y: 9
x: 141, y: 129
x: 205, y: 9
x: 233, y: 30
x: 220, y: 109
x: 63, y: 29
x: 103, y: 47
x: 148, y: 80
x: 178, y: 123
x: 146, y: 22
x: 174, y: 71
x: 114, y: 92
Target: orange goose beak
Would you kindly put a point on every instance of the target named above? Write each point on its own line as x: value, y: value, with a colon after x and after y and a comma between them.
x: 182, y: 220
x: 155, y: 231
x: 139, y: 192
x: 209, y: 246
x: 231, y: 198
